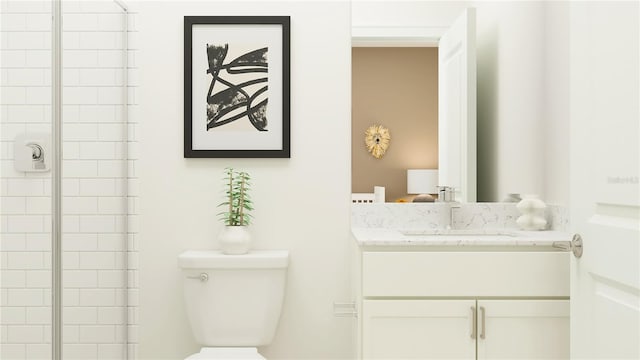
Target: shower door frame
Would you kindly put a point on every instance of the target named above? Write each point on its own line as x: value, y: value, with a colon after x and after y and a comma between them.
x: 56, y: 176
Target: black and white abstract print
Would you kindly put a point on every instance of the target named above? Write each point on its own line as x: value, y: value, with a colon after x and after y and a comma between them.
x: 238, y: 89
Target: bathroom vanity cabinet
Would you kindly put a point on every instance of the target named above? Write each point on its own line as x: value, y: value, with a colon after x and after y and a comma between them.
x: 424, y: 304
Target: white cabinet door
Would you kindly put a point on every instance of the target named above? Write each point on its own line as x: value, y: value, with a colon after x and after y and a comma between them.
x: 418, y: 329
x: 523, y: 329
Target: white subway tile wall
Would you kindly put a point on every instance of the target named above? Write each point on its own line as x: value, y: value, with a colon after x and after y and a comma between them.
x: 99, y: 244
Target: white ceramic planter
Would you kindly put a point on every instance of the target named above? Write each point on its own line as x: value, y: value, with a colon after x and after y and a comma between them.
x: 235, y: 240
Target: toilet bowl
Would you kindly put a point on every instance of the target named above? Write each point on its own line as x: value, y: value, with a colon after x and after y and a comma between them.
x: 233, y: 302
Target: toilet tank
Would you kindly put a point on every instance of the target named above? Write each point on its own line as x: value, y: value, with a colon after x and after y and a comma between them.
x: 234, y: 300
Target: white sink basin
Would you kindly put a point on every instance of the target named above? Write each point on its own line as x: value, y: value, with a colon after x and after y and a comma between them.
x: 460, y: 232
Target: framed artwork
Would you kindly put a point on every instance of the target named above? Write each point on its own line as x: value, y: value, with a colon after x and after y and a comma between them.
x: 236, y: 87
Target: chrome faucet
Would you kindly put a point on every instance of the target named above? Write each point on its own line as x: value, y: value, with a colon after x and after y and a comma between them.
x: 446, y: 194
x: 453, y: 218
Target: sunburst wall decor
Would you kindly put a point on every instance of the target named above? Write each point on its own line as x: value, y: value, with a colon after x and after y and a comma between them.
x: 377, y: 139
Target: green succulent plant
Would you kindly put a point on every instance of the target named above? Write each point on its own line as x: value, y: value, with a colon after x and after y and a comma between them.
x: 238, y: 204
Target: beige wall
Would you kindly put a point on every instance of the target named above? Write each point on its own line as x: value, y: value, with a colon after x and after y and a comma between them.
x: 397, y: 88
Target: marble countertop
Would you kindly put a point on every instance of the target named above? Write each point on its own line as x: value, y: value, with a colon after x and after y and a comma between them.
x: 461, y: 238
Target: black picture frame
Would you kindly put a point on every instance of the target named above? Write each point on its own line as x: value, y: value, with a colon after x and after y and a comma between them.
x: 232, y: 32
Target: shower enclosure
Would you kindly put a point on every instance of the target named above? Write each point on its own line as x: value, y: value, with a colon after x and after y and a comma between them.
x: 68, y: 284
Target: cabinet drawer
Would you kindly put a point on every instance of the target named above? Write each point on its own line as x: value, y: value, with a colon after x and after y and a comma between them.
x: 474, y: 274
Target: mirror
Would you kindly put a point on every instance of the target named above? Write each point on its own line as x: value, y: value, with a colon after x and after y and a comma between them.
x: 395, y: 87
x: 422, y: 87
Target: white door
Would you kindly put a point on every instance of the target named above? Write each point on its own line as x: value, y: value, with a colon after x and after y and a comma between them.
x: 605, y: 156
x: 418, y: 329
x: 457, y: 107
x: 523, y: 329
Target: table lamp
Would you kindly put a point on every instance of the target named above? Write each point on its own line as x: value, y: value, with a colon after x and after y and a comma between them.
x: 423, y: 182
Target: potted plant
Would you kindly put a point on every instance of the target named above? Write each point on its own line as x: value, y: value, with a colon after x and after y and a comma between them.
x: 235, y: 238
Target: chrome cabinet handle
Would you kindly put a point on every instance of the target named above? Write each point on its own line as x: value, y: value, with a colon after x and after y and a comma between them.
x: 482, y: 331
x: 473, y: 322
x: 202, y: 277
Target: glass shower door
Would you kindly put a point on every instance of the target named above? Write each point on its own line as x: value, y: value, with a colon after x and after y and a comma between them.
x: 94, y: 170
x: 95, y: 241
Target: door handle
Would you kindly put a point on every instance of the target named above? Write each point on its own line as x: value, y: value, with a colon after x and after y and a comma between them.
x: 473, y: 322
x: 482, y: 330
x: 575, y: 245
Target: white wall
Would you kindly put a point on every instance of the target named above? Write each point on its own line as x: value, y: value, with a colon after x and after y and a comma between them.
x: 420, y: 15
x: 302, y: 203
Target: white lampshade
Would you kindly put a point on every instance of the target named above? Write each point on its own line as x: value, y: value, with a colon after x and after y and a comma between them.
x: 422, y: 181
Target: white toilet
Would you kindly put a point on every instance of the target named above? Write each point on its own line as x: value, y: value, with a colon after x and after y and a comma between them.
x: 233, y: 301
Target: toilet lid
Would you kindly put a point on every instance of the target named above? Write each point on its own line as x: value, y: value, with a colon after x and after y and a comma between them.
x: 220, y: 353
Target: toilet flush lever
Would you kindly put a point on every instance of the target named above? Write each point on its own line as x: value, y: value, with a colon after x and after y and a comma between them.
x: 202, y: 277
